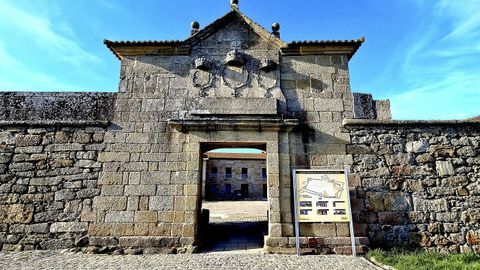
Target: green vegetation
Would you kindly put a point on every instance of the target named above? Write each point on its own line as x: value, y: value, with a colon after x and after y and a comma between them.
x: 419, y: 260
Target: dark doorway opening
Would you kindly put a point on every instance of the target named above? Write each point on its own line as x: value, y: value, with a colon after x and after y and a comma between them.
x: 244, y: 190
x: 234, y: 214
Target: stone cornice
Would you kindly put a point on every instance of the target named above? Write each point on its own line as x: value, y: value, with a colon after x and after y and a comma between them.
x: 373, y: 122
x: 46, y: 123
x: 216, y: 124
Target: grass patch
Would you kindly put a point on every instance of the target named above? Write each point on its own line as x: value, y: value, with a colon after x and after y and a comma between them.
x: 424, y: 260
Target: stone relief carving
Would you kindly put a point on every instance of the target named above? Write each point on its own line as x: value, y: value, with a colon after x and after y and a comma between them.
x: 267, y: 80
x: 203, y: 80
x: 235, y: 58
x: 236, y: 73
x: 203, y: 63
x: 235, y: 77
x: 268, y: 65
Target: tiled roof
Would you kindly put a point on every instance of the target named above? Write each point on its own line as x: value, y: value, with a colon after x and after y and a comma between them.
x: 110, y: 44
x: 143, y: 42
x: 218, y: 24
x: 325, y: 42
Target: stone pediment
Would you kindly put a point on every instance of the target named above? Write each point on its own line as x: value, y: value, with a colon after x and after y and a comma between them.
x: 232, y: 17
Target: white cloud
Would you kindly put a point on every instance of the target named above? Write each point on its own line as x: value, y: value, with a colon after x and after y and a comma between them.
x: 39, y: 30
x: 439, y: 76
x: 39, y: 50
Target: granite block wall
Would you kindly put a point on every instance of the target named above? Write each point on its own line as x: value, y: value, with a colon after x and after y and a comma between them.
x: 48, y: 180
x: 317, y: 92
x: 417, y: 183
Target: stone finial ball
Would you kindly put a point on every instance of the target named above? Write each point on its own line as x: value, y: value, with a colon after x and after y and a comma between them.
x: 234, y: 2
x: 275, y: 27
x: 195, y: 25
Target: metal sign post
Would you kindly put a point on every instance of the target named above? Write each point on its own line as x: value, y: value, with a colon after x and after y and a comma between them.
x: 352, y: 235
x: 295, y: 203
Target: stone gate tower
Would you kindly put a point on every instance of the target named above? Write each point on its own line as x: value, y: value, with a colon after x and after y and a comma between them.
x: 233, y: 83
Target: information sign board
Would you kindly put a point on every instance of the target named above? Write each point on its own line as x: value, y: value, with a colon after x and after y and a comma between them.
x: 322, y: 196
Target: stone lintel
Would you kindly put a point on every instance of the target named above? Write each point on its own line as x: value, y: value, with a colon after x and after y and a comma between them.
x: 373, y: 122
x: 236, y: 106
x: 215, y: 124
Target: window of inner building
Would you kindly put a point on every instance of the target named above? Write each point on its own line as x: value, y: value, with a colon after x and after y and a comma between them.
x: 244, y: 173
x: 228, y: 188
x: 228, y: 173
x: 214, y: 172
x: 213, y: 189
x: 264, y: 191
x: 264, y: 173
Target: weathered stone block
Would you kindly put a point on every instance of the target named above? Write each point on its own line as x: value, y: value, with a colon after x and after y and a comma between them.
x: 473, y: 237
x: 57, y: 244
x: 110, y: 203
x: 222, y: 106
x: 161, y: 203
x: 329, y: 105
x: 425, y: 205
x: 16, y: 213
x: 111, y: 178
x: 60, y: 227
x: 21, y: 167
x: 81, y: 137
x: 318, y: 229
x: 64, y: 147
x: 123, y: 229
x: 145, y: 216
x: 389, y: 201
x: 139, y: 190
x: 28, y: 140
x: 119, y: 217
x: 113, y: 156
x: 33, y: 228
x: 343, y: 229
x: 444, y: 168
x: 155, y: 178
x: 64, y: 195
x: 420, y: 146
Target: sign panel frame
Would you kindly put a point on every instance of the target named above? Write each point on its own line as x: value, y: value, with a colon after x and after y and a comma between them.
x: 326, y: 181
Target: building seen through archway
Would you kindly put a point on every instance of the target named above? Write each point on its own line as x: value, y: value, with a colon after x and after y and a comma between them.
x: 234, y: 205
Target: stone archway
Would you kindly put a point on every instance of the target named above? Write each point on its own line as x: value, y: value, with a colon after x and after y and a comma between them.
x: 198, y: 141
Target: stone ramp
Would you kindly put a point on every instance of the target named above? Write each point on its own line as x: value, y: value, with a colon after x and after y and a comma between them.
x: 236, y: 227
x: 235, y: 237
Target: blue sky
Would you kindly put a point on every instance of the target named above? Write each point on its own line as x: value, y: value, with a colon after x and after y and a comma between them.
x: 424, y: 55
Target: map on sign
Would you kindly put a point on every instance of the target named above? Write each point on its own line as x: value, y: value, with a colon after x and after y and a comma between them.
x: 323, y: 187
x: 322, y: 196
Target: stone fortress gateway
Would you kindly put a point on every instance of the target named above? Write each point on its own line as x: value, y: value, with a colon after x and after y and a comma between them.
x: 124, y: 169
